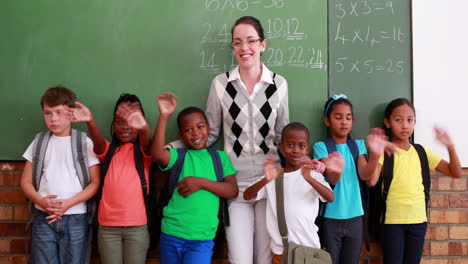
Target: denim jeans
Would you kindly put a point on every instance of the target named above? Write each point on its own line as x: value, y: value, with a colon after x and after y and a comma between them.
x: 403, y: 243
x: 174, y: 250
x: 342, y: 238
x: 63, y: 242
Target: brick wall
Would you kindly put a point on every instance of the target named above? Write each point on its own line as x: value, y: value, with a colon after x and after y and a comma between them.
x: 446, y: 239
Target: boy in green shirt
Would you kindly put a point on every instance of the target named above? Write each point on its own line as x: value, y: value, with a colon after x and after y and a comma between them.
x: 190, y: 219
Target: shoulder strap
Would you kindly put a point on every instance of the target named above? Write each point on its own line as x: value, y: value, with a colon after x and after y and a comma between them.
x: 330, y: 145
x: 218, y: 166
x: 176, y: 170
x: 353, y: 148
x: 79, y: 151
x: 279, y: 188
x: 39, y: 149
x: 105, y: 166
x: 387, y: 178
x: 140, y: 168
x: 426, y: 173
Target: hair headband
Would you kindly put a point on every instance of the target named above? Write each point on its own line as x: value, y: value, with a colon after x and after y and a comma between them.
x: 333, y: 99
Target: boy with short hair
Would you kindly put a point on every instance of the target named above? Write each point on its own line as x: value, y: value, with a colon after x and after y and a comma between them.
x: 190, y: 219
x: 303, y: 187
x: 59, y: 214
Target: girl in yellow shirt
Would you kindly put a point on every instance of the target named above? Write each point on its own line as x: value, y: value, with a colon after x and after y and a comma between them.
x: 405, y: 220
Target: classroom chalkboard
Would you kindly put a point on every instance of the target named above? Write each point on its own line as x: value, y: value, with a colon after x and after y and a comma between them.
x: 369, y: 56
x: 101, y: 49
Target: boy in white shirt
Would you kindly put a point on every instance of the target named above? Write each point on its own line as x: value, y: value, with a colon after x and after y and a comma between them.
x: 59, y: 215
x: 303, y: 187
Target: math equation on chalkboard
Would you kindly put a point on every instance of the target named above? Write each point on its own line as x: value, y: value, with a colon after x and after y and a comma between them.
x: 292, y: 41
x: 368, y: 37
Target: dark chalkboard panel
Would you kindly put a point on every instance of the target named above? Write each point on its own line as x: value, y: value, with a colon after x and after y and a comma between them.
x: 369, y: 56
x: 100, y: 49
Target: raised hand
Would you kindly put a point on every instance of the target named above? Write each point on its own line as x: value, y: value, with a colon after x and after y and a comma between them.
x: 80, y: 114
x: 442, y: 136
x: 131, y: 112
x: 189, y: 185
x: 378, y: 142
x: 271, y: 167
x: 334, y: 163
x: 167, y: 103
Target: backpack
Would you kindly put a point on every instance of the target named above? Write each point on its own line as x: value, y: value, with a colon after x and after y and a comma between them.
x: 169, y: 187
x: 363, y: 187
x: 149, y: 196
x: 78, y: 142
x: 379, y: 192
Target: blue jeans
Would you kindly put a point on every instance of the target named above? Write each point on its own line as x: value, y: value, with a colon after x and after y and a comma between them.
x: 403, y: 243
x: 174, y: 250
x: 63, y: 242
x: 342, y: 238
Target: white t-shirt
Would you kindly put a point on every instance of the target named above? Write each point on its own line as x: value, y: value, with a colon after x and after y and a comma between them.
x: 58, y: 174
x: 301, y: 205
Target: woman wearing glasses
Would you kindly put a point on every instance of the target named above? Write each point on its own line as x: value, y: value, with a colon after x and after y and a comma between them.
x: 250, y: 104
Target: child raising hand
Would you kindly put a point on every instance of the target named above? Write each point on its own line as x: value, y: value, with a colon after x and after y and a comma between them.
x: 122, y: 214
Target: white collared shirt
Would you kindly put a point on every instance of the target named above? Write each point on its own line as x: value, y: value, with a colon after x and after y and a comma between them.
x: 265, y: 80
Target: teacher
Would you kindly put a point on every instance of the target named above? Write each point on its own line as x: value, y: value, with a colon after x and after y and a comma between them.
x: 250, y: 105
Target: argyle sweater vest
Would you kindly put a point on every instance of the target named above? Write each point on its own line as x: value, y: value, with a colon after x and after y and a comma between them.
x: 251, y: 126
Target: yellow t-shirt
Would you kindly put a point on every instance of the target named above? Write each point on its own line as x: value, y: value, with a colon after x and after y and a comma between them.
x: 405, y: 201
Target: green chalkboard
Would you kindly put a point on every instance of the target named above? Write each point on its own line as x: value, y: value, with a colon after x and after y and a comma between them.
x: 369, y: 56
x: 100, y: 49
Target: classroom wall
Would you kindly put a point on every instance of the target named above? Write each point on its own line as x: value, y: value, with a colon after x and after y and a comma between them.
x: 440, y: 73
x: 446, y: 238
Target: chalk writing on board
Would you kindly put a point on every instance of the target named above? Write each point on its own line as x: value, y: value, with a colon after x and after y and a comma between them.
x: 292, y: 56
x: 241, y: 5
x: 290, y: 28
x: 369, y: 66
x: 284, y: 28
x: 369, y: 35
x: 362, y: 8
x: 353, y: 32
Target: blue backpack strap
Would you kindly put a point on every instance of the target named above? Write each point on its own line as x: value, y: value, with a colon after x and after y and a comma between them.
x: 330, y: 145
x: 176, y: 170
x: 39, y: 149
x: 219, y: 177
x: 353, y: 148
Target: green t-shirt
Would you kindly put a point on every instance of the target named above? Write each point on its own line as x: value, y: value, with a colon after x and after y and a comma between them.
x: 196, y: 216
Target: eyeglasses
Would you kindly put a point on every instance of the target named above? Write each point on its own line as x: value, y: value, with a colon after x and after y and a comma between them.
x: 249, y: 42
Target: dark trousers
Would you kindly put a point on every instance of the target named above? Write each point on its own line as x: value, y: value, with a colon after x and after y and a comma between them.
x: 342, y: 238
x: 403, y: 243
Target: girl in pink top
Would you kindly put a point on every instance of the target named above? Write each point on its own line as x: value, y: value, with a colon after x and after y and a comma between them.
x: 123, y: 234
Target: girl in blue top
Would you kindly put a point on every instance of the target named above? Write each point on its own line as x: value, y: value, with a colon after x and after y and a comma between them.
x: 343, y: 218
